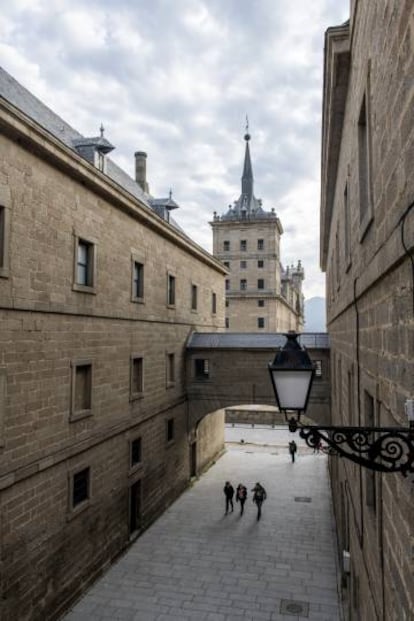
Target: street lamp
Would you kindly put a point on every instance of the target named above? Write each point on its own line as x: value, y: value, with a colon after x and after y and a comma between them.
x: 384, y: 449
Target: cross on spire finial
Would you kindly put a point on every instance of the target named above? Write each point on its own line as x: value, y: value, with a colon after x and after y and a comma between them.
x: 247, y: 135
x: 102, y: 129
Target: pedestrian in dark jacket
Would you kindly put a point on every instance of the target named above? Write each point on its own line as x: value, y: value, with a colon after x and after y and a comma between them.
x: 259, y: 497
x: 241, y: 496
x: 229, y: 493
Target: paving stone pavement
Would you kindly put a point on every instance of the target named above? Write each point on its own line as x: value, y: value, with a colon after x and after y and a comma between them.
x: 195, y: 563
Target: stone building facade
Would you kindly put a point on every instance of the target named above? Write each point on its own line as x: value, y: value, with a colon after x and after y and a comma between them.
x: 367, y: 246
x: 99, y: 291
x: 261, y: 296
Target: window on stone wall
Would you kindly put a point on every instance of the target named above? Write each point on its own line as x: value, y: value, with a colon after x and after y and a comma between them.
x: 201, y: 368
x: 170, y: 290
x: 170, y: 430
x: 260, y: 264
x: 85, y: 252
x: 347, y: 227
x: 137, y: 377
x: 227, y: 284
x: 81, y: 402
x: 227, y: 303
x: 243, y: 265
x: 80, y: 487
x: 226, y: 264
x: 260, y: 283
x: 137, y: 281
x: 213, y: 303
x: 260, y: 244
x: 364, y: 167
x: 135, y: 452
x: 194, y: 297
x: 170, y: 369
x: 351, y: 414
x: 318, y: 368
x: 370, y: 476
x: 260, y: 322
x: 260, y: 303
x: 243, y: 245
x: 226, y: 245
x: 2, y: 235
x: 227, y: 322
x: 243, y: 284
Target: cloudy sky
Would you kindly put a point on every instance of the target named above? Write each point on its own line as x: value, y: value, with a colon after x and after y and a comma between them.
x: 176, y: 78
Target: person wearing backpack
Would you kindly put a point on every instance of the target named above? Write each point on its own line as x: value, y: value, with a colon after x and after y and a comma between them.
x: 241, y: 496
x: 292, y: 449
x: 259, y: 497
x: 229, y: 493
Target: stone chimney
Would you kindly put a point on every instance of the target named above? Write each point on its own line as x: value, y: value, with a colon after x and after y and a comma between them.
x: 141, y: 170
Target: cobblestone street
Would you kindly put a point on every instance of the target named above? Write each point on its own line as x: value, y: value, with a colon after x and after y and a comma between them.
x: 197, y: 563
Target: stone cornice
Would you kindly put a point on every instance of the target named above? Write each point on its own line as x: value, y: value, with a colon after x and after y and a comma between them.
x: 335, y: 91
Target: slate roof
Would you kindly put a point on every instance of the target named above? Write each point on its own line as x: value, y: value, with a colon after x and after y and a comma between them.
x: 250, y: 340
x: 16, y: 94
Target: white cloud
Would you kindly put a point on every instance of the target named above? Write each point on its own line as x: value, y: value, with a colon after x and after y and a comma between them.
x: 176, y: 79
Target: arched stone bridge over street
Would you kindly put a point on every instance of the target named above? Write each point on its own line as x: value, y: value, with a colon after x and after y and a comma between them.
x: 228, y: 369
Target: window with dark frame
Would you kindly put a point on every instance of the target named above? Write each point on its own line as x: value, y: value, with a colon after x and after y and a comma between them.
x: 137, y: 375
x: 318, y: 368
x: 194, y: 295
x: 260, y: 263
x: 226, y: 264
x: 201, y: 368
x: 83, y: 387
x: 347, y: 226
x: 243, y: 265
x: 243, y: 245
x: 227, y: 322
x: 243, y: 284
x: 260, y: 283
x: 135, y: 452
x: 138, y: 280
x: 170, y: 430
x: 171, y: 290
x: 370, y: 478
x: 213, y: 303
x: 364, y: 166
x: 226, y: 245
x: 260, y: 322
x: 84, y: 264
x: 170, y: 369
x: 260, y: 303
x: 80, y: 487
x: 260, y: 244
x: 227, y: 303
x: 2, y: 235
x: 227, y: 284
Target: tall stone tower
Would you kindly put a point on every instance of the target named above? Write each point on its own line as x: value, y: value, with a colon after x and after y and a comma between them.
x: 261, y: 296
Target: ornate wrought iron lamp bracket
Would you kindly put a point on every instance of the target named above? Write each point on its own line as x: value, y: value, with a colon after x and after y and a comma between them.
x: 383, y: 449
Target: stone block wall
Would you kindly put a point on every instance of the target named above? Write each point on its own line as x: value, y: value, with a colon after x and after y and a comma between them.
x: 370, y: 292
x: 50, y: 550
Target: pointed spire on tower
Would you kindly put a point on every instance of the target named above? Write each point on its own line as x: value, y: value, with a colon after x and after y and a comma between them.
x: 247, y: 177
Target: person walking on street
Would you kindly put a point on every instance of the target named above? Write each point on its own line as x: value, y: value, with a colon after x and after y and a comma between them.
x: 259, y: 497
x: 229, y: 493
x: 292, y: 449
x: 241, y: 496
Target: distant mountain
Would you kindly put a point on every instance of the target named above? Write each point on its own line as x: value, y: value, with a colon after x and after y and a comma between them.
x: 315, y: 315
